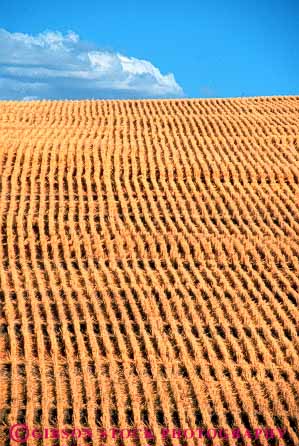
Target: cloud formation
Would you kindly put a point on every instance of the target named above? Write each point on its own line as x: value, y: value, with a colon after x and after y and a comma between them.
x: 52, y: 65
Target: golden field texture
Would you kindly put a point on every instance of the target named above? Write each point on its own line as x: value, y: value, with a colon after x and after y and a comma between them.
x: 150, y: 265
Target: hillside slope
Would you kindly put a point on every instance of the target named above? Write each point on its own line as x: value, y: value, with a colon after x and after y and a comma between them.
x: 149, y: 264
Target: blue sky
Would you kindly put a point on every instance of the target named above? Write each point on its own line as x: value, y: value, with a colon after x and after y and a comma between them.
x: 77, y: 49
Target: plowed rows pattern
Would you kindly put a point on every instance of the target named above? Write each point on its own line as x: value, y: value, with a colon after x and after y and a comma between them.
x: 149, y: 264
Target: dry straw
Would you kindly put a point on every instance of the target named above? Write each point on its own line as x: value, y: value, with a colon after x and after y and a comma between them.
x: 149, y: 264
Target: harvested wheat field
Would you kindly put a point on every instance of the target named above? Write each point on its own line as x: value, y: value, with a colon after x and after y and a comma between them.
x: 149, y: 271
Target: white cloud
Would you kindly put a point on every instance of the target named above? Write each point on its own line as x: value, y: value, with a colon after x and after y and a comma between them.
x: 52, y: 65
